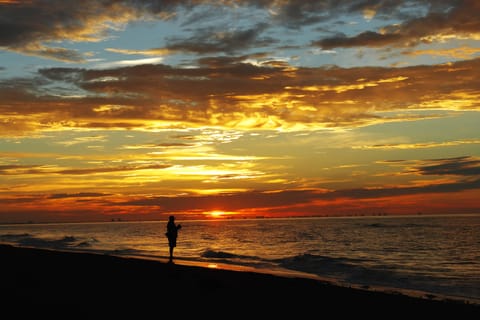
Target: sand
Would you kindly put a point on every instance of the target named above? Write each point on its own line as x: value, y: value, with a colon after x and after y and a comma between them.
x: 37, y: 279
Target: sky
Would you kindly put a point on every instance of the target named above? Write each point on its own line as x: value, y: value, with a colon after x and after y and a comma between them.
x: 137, y: 110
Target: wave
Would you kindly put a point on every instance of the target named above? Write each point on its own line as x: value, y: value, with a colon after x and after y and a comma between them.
x: 403, y: 226
x: 64, y: 242
x: 346, y: 271
x: 364, y: 273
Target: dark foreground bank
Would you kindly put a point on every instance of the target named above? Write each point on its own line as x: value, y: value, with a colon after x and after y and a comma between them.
x: 42, y: 278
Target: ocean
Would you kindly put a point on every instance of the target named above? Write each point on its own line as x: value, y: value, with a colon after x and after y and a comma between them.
x: 433, y: 256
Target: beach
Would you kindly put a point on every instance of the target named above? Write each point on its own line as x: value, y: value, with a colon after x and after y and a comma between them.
x: 43, y: 278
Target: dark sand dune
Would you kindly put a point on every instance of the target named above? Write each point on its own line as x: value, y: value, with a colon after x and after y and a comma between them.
x: 34, y: 278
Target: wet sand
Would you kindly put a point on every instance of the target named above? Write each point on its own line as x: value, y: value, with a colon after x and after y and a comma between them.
x: 37, y: 278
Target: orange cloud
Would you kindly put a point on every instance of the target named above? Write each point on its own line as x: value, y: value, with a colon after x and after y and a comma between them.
x: 435, y: 198
x: 155, y: 97
x: 456, y: 53
x: 418, y: 145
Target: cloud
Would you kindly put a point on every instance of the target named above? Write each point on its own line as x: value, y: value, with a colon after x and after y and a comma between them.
x: 211, y: 40
x: 418, y: 145
x: 54, y: 170
x: 257, y: 201
x: 23, y: 169
x: 367, y: 193
x: 446, y: 19
x: 35, y: 28
x: 30, y: 27
x: 54, y: 53
x: 456, y: 53
x: 236, y: 201
x: 228, y: 94
x: 77, y: 195
x: 159, y: 146
x: 122, y: 63
x: 463, y: 166
x: 147, y: 52
x: 270, y: 201
x: 78, y: 140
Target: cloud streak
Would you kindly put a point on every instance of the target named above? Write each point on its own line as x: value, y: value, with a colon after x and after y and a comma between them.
x: 418, y: 145
x: 45, y: 169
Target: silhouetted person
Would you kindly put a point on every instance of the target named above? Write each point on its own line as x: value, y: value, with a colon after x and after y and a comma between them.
x: 172, y: 234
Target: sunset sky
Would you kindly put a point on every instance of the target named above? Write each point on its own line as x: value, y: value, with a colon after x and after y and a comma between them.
x: 137, y: 109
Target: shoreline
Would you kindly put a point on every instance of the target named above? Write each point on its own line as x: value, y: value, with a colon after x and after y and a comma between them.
x: 42, y: 277
x: 282, y: 272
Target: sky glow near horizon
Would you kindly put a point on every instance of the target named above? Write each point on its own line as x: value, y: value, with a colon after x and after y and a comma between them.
x: 142, y: 109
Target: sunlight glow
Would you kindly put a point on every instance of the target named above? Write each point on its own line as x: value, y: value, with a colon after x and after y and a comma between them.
x: 219, y: 213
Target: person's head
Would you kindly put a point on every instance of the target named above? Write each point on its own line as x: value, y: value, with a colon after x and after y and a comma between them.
x: 171, y: 218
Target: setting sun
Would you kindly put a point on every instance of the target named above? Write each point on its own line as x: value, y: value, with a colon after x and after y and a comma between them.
x: 218, y: 214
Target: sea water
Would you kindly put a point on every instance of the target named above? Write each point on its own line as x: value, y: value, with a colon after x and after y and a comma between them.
x: 434, y: 255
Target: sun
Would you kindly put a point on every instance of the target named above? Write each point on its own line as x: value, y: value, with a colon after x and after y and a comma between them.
x: 218, y: 213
